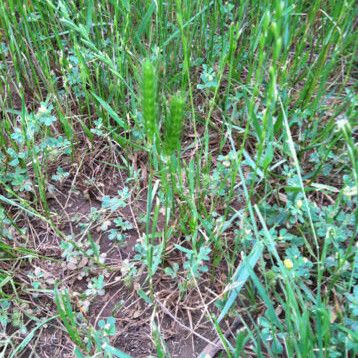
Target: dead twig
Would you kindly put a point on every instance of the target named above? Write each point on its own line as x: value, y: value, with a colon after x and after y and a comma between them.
x: 213, y: 348
x: 166, y: 311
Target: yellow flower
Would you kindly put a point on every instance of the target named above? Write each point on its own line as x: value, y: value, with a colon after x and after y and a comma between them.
x: 42, y: 110
x: 350, y: 190
x: 288, y: 264
x: 299, y: 204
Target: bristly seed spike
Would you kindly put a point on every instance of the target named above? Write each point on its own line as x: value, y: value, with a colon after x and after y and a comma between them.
x: 149, y: 100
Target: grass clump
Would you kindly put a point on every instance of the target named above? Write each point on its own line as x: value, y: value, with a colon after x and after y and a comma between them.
x: 177, y: 174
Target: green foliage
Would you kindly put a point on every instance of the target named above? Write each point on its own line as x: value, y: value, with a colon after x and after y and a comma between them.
x: 4, y: 313
x: 256, y: 200
x: 67, y: 316
x: 91, y: 341
x: 96, y: 286
x: 208, y: 78
x: 149, y: 100
x: 173, y: 125
x: 195, y: 261
x: 60, y: 175
x: 116, y: 202
x: 118, y: 233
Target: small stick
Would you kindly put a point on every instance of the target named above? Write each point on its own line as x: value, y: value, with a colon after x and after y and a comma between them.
x: 166, y: 311
x: 213, y: 348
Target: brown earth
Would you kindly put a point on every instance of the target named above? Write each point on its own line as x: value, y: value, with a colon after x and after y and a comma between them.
x: 181, y: 319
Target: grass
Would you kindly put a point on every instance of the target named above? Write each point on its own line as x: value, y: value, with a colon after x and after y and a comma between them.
x: 199, y: 155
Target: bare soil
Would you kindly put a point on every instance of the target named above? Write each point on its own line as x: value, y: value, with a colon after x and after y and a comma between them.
x: 181, y: 318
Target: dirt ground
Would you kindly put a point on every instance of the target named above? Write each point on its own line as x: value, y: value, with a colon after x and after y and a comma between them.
x: 182, y: 319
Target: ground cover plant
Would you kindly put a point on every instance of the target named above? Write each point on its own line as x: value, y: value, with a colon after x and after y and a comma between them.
x: 178, y: 179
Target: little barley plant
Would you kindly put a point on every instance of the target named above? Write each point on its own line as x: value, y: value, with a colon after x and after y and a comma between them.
x: 149, y: 100
x: 173, y: 125
x: 266, y: 85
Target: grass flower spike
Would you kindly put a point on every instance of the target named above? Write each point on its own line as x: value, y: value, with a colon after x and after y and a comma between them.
x: 173, y: 124
x: 149, y: 100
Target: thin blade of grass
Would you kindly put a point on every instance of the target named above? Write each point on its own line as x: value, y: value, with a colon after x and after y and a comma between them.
x: 110, y: 111
x: 240, y: 277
